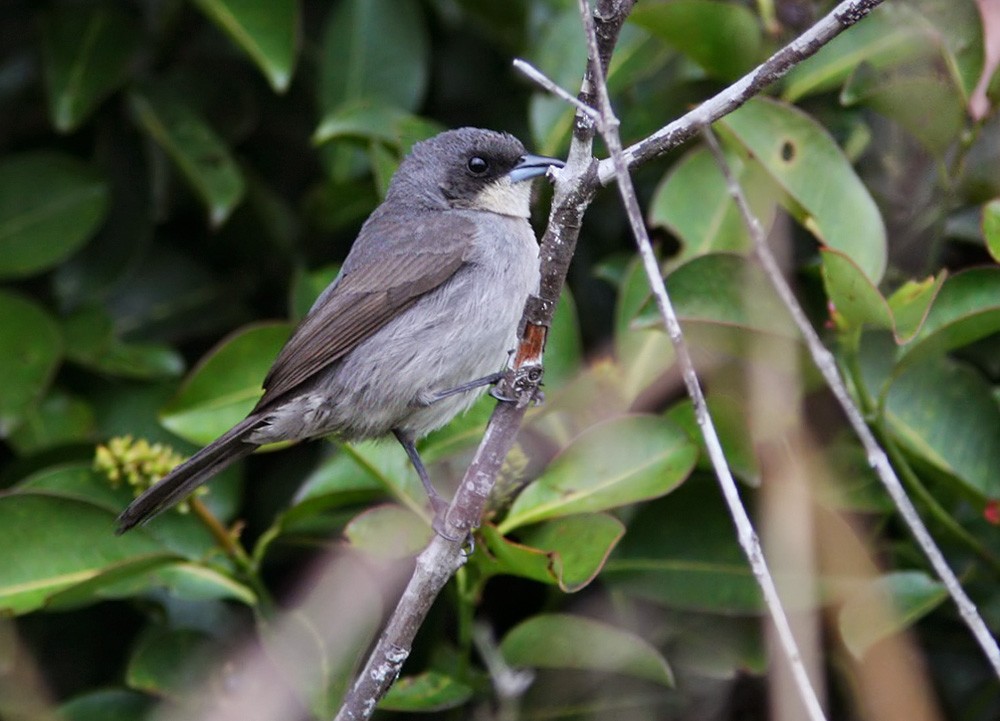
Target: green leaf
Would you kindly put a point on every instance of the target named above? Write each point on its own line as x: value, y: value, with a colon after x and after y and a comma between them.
x: 612, y: 464
x: 892, y: 34
x: 50, y: 205
x: 307, y: 286
x: 966, y: 309
x: 693, y: 203
x: 724, y: 39
x: 198, y: 152
x: 268, y: 32
x: 87, y: 51
x: 568, y: 552
x: 991, y: 228
x: 59, y: 419
x: 388, y: 532
x: 911, y: 302
x: 886, y: 605
x: 374, y: 120
x: 170, y: 662
x: 56, y: 543
x: 374, y: 50
x: 226, y: 384
x: 729, y: 415
x: 681, y: 552
x: 563, y: 347
x: 855, y: 299
x: 958, y: 36
x: 944, y: 413
x: 107, y: 705
x: 826, y: 195
x: 29, y: 355
x: 91, y: 342
x: 575, y: 642
x: 426, y: 692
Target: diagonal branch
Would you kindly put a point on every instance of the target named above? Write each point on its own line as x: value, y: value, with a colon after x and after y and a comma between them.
x: 827, y: 365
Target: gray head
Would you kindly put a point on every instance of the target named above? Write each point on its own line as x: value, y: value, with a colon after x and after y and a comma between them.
x: 469, y: 168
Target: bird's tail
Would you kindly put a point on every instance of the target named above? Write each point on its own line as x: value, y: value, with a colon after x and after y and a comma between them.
x: 173, y: 487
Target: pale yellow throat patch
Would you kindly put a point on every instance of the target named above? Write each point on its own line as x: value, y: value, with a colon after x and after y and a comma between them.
x: 505, y: 198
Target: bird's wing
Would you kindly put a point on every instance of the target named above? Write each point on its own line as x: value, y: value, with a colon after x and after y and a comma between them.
x: 378, y: 283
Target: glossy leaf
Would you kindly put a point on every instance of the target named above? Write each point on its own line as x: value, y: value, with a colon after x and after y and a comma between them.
x: 887, y: 605
x: 991, y: 228
x: 226, y: 384
x: 575, y: 642
x: 30, y: 351
x: 966, y: 309
x: 87, y: 51
x: 91, y: 342
x: 681, y: 552
x: 568, y: 552
x: 612, y: 464
x: 373, y: 50
x: 827, y: 196
x: 58, y: 419
x: 722, y: 38
x: 56, y: 543
x: 50, y: 205
x: 426, y: 692
x: 267, y: 32
x: 693, y: 203
x: 375, y: 120
x: 892, y: 34
x: 195, y: 148
x: 388, y: 532
x: 944, y: 413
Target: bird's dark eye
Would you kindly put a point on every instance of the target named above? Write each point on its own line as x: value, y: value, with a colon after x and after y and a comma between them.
x: 477, y: 165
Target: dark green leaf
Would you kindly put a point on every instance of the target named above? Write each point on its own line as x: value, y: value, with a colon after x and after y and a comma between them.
x: 60, y: 418
x: 722, y: 38
x: 50, y: 205
x: 564, y: 641
x: 797, y: 151
x: 373, y: 50
x: 91, y: 342
x: 199, y: 154
x: 564, y: 347
x: 568, y: 552
x: 29, y: 354
x: 268, y: 32
x: 991, y: 228
x: 426, y: 692
x: 170, y: 662
x: 226, y: 384
x: 87, y: 51
x: 53, y: 544
x: 612, y: 464
x: 107, y: 705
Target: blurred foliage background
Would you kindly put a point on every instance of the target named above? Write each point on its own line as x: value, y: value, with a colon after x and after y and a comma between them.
x: 179, y: 180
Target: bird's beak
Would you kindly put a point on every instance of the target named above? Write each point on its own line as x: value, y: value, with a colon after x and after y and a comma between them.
x: 531, y: 166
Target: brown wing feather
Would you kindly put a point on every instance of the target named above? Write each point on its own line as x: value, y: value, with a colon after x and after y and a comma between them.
x: 369, y: 294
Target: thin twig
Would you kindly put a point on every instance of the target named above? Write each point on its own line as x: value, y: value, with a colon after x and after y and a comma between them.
x: 608, y: 127
x: 539, y: 77
x: 877, y: 458
x: 687, y: 126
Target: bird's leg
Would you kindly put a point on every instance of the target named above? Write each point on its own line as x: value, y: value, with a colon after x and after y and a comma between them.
x: 432, y: 398
x: 438, y: 503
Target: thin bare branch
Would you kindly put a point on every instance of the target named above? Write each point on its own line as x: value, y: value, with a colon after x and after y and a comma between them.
x: 545, y: 82
x: 687, y: 126
x: 877, y: 458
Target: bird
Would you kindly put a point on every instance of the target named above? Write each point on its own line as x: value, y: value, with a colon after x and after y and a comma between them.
x: 420, y: 320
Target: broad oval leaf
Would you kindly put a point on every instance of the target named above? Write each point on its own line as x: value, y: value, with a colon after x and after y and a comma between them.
x: 855, y: 299
x: 60, y: 418
x: 576, y: 642
x: 887, y: 605
x: 374, y: 50
x: 267, y: 32
x: 568, y: 552
x: 612, y: 464
x: 827, y: 196
x: 198, y: 152
x: 87, y: 50
x: 50, y: 205
x: 30, y: 351
x: 226, y: 384
x: 171, y: 663
x: 56, y: 543
x: 388, y: 532
x: 723, y: 38
x: 91, y: 342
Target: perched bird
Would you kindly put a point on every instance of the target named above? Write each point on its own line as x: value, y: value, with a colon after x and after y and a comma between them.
x: 419, y: 321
